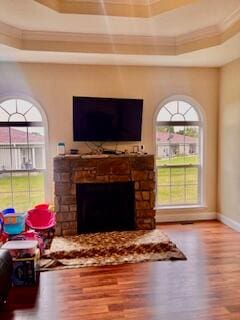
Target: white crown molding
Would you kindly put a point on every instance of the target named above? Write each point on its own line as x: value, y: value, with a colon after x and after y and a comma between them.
x: 211, y: 31
x: 152, y: 44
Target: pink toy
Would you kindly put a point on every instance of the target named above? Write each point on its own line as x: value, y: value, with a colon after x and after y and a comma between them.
x: 40, y: 219
x: 3, y: 235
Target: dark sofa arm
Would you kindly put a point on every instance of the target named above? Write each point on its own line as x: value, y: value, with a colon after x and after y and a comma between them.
x: 5, y: 274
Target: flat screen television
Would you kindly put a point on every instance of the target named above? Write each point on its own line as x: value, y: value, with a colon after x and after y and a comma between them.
x: 107, y: 119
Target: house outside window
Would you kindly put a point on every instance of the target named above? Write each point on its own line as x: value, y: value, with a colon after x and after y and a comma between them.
x: 22, y: 155
x: 179, y: 146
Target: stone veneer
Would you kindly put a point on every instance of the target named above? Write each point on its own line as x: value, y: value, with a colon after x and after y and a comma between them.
x: 69, y: 170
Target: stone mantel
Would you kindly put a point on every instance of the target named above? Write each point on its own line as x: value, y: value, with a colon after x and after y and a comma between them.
x: 70, y: 170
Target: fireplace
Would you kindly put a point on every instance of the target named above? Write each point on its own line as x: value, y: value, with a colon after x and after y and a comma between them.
x: 132, y: 173
x: 105, y: 206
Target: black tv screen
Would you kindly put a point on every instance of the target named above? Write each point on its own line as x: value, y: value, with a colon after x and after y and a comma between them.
x: 107, y: 119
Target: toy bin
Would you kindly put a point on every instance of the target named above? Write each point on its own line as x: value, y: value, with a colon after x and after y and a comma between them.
x: 25, y: 256
x: 21, y: 248
x: 14, y: 223
x: 30, y: 235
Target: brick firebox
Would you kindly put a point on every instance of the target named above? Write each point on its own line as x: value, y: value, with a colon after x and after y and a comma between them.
x: 70, y: 170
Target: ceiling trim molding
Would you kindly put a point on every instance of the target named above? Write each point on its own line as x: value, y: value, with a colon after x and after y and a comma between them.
x: 10, y: 30
x: 97, y: 38
x: 108, y: 48
x: 231, y: 31
x: 52, y: 4
x: 10, y: 36
x: 205, y: 33
x: 230, y: 20
x: 118, y: 44
x: 117, y: 8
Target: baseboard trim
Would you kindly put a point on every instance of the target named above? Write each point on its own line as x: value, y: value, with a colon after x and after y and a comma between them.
x: 195, y: 216
x: 229, y: 222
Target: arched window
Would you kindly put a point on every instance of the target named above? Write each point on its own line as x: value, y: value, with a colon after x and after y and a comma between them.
x: 178, y: 155
x: 22, y: 155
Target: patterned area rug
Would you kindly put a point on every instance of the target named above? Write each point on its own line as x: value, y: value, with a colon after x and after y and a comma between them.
x: 109, y: 248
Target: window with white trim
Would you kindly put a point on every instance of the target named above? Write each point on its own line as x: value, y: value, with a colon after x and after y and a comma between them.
x: 178, y: 155
x: 22, y: 155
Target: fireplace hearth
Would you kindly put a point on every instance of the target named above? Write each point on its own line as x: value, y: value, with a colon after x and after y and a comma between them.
x: 110, y: 181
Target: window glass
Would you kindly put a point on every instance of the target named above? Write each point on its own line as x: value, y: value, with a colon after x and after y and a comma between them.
x: 178, y: 159
x: 22, y: 155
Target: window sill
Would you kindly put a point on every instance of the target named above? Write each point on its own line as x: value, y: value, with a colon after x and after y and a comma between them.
x: 177, y: 208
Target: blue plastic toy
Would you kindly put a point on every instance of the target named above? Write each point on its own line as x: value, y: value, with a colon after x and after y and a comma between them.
x: 8, y: 211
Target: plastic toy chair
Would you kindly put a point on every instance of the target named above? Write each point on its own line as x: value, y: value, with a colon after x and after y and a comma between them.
x: 42, y: 206
x: 40, y: 219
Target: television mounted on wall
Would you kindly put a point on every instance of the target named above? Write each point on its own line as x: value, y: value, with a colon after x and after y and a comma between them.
x: 107, y: 119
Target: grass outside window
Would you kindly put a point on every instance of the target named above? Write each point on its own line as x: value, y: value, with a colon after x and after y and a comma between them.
x: 177, y: 185
x: 20, y: 198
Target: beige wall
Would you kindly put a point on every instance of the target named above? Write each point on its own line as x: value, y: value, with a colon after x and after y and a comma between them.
x: 229, y: 141
x: 54, y: 85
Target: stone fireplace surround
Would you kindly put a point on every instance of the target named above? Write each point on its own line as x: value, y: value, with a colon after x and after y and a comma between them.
x: 70, y: 170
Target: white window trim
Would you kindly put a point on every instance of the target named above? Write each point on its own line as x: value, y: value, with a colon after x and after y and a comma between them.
x: 30, y: 99
x: 202, y: 116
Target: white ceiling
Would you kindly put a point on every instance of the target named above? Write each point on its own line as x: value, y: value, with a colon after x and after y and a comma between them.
x: 197, y: 18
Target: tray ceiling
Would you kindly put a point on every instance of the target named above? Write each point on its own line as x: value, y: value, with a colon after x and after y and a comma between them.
x: 180, y: 27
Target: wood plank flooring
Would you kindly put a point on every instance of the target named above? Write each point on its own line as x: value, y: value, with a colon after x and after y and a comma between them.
x: 206, y: 286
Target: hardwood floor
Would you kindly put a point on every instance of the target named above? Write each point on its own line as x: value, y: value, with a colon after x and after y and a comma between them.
x: 206, y: 286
